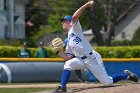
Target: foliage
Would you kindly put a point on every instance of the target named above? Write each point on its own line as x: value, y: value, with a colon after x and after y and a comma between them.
x: 121, y: 43
x: 45, y: 15
x: 59, y: 12
x: 106, y: 52
x: 37, y: 15
x: 112, y: 10
x: 12, y: 42
x: 119, y: 52
x: 8, y: 51
x: 3, y: 42
x: 136, y: 37
x: 100, y: 15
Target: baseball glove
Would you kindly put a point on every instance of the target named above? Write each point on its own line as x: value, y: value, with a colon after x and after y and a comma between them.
x: 57, y: 45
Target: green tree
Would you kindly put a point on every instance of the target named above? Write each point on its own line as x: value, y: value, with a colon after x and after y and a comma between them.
x: 60, y: 8
x: 37, y: 14
x: 110, y: 11
x: 45, y: 15
x: 54, y: 9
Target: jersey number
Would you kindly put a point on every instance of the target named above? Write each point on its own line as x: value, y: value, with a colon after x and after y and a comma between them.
x: 77, y: 40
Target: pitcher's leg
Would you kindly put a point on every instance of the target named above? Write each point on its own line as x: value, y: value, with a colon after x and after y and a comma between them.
x: 119, y: 77
x: 71, y: 64
x: 65, y: 77
x: 127, y: 75
x: 100, y: 73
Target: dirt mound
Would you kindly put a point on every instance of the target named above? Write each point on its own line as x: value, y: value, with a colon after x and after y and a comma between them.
x: 84, y: 87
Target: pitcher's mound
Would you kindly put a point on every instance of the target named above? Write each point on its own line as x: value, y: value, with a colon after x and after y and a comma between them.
x: 99, y: 88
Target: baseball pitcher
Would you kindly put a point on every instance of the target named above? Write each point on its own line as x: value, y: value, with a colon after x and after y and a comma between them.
x: 86, y: 57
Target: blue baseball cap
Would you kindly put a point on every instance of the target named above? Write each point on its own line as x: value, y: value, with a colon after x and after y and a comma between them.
x: 68, y: 18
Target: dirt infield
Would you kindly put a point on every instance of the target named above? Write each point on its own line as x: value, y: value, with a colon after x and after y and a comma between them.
x: 124, y: 87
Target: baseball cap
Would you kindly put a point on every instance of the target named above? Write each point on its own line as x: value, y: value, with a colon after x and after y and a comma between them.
x: 68, y: 17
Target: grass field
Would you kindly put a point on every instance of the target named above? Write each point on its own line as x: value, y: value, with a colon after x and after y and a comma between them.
x: 24, y: 87
x: 22, y: 90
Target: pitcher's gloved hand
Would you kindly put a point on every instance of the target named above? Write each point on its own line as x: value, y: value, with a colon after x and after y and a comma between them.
x: 57, y: 45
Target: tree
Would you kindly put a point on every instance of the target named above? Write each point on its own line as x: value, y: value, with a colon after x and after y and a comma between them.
x: 36, y: 16
x: 68, y: 7
x: 97, y: 20
x: 109, y: 11
x: 45, y: 15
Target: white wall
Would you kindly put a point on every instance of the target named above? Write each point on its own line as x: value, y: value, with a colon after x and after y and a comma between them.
x: 1, y: 20
x: 15, y: 28
x: 20, y: 23
x: 3, y: 23
x: 1, y: 5
x: 1, y: 31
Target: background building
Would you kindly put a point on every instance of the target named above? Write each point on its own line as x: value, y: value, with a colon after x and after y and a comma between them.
x: 12, y: 19
x: 129, y: 23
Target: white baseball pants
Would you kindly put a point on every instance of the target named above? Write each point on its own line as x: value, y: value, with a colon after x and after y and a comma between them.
x: 94, y: 64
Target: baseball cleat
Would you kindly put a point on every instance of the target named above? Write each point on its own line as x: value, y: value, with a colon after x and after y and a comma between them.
x: 132, y: 76
x: 60, y: 89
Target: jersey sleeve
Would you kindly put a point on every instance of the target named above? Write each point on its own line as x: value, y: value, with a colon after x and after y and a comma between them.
x: 77, y: 26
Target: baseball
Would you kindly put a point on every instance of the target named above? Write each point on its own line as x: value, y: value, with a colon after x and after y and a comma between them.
x: 91, y: 2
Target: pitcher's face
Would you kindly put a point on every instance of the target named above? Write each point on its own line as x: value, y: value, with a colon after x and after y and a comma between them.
x: 66, y: 25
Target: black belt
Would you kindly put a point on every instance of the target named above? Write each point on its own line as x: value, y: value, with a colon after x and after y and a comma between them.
x: 84, y: 57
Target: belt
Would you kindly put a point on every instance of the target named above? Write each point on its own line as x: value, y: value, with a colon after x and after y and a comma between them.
x: 84, y: 57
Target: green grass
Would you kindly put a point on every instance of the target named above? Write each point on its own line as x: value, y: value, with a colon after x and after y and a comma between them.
x: 22, y: 90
